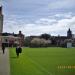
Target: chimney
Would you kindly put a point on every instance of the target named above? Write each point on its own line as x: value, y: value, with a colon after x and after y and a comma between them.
x: 20, y: 32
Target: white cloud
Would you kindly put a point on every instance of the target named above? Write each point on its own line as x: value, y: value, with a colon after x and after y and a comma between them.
x: 45, y: 21
x: 43, y: 25
x: 64, y: 15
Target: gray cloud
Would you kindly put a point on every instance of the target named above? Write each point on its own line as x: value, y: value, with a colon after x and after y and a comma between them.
x: 42, y: 25
x: 42, y: 8
x: 34, y: 17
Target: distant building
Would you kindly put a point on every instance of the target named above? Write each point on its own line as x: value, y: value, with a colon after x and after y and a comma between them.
x: 21, y: 38
x: 69, y: 33
x: 11, y: 39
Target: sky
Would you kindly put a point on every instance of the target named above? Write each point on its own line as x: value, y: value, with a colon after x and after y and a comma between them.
x: 35, y: 17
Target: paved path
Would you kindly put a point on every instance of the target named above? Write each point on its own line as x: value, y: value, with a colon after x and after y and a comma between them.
x: 4, y: 63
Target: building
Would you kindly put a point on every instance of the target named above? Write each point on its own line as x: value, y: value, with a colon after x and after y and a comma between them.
x: 69, y: 33
x: 21, y: 38
x: 1, y: 20
x: 73, y: 36
x: 1, y: 24
x: 11, y: 39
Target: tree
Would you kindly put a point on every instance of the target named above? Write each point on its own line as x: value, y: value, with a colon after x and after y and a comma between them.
x: 27, y: 41
x: 45, y: 36
x: 38, y: 42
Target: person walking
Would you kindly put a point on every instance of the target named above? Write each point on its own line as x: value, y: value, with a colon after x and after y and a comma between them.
x: 3, y: 48
x: 18, y: 50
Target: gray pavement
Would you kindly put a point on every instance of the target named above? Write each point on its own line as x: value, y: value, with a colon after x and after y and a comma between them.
x: 4, y: 63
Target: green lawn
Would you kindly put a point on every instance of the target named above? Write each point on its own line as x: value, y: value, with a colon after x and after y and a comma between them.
x: 43, y: 61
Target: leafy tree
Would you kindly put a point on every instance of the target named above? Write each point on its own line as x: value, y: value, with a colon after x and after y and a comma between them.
x: 27, y: 41
x: 45, y: 36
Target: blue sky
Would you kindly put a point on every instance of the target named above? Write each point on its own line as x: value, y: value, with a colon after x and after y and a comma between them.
x: 34, y: 17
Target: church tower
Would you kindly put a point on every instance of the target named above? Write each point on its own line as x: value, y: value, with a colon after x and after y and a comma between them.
x: 69, y: 33
x: 1, y: 20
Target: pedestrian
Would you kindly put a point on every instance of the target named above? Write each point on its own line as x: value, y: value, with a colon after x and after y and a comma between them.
x: 3, y: 48
x: 18, y: 50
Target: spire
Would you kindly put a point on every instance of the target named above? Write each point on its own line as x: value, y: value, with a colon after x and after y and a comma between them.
x: 69, y: 33
x: 69, y: 30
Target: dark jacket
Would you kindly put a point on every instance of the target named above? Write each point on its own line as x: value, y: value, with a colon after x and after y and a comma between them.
x: 3, y: 47
x: 18, y: 50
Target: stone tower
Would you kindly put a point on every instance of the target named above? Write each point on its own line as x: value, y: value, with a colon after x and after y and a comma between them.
x: 1, y: 20
x: 1, y: 25
x: 69, y: 33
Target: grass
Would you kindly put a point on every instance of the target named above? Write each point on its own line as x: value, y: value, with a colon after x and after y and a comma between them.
x: 43, y: 61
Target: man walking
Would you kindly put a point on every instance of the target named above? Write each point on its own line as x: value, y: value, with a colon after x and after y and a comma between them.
x: 18, y: 50
x: 3, y: 48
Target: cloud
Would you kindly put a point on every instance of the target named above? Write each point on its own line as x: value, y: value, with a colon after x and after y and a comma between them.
x: 28, y: 8
x: 62, y: 4
x: 45, y: 21
x: 49, y: 25
x: 64, y: 15
x: 34, y: 17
